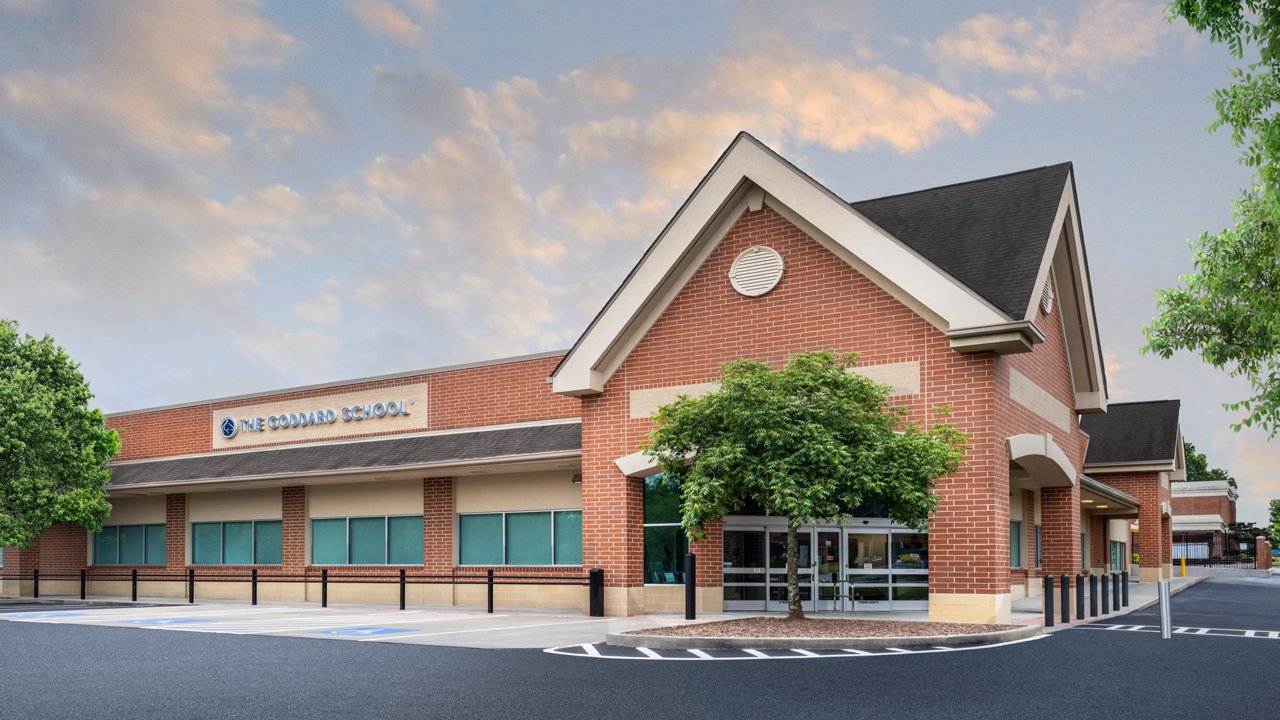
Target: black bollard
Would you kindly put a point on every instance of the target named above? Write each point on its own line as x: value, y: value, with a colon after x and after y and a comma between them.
x: 401, y: 588
x: 1093, y: 596
x: 1079, y: 596
x: 82, y: 583
x: 1124, y: 592
x: 1106, y: 595
x: 595, y: 592
x: 1048, y: 601
x: 133, y: 584
x: 690, y: 586
x: 191, y: 585
x: 1115, y: 591
x: 324, y: 588
x: 1066, y: 599
x: 489, y: 600
x: 253, y: 586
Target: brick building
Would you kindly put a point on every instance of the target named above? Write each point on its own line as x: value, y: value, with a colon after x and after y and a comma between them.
x: 973, y: 295
x: 1203, y: 512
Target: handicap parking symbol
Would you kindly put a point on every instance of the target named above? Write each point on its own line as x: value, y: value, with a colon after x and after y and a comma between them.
x: 360, y: 631
x: 164, y: 621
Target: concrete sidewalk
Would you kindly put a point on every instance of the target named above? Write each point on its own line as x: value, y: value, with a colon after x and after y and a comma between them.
x: 1141, y: 596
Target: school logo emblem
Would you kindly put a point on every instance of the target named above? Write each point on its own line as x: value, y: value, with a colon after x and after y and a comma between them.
x: 229, y: 428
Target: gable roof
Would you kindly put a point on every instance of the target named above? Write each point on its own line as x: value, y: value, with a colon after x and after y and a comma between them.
x: 1135, y: 432
x: 749, y: 175
x: 989, y: 234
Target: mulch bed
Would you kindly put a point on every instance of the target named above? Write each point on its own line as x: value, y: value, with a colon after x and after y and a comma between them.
x: 769, y: 627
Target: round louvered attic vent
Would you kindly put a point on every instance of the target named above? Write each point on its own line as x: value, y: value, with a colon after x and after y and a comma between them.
x: 756, y: 271
x: 1046, y: 297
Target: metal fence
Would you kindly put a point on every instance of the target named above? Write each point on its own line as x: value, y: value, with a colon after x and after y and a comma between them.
x: 593, y: 581
x: 1237, y: 562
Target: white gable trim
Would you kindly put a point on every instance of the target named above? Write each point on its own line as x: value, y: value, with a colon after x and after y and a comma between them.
x: 1064, y: 260
x: 707, y: 216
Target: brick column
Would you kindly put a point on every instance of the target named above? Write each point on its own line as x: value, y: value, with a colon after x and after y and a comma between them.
x: 710, y: 553
x: 293, y: 527
x: 175, y: 531
x: 437, y: 514
x: 612, y: 503
x: 1155, y: 533
x: 22, y: 562
x: 1099, y: 556
x: 1262, y: 558
x: 1060, y: 529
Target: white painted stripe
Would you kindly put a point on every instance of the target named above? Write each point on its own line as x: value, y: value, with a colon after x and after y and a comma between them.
x: 851, y: 651
x: 898, y: 650
x: 1251, y: 633
x: 1203, y: 631
x: 700, y: 653
x: 590, y: 649
x: 757, y: 653
x: 649, y: 653
x: 804, y: 652
x: 1137, y: 628
x: 1274, y: 635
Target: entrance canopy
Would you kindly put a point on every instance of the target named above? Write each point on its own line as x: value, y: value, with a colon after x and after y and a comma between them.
x: 1046, y: 462
x: 1102, y: 499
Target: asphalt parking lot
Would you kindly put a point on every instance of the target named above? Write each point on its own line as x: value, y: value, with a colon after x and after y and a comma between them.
x: 61, y: 670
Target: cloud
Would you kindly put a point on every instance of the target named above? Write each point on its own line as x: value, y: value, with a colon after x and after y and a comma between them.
x: 387, y: 19
x: 322, y: 310
x: 1252, y: 459
x: 1107, y: 36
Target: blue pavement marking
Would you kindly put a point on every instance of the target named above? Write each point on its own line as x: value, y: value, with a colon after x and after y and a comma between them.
x: 41, y: 615
x: 164, y: 621
x: 360, y: 631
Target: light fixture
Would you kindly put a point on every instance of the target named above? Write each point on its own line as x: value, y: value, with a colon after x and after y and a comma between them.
x: 1101, y: 507
x: 576, y: 479
x: 1086, y: 501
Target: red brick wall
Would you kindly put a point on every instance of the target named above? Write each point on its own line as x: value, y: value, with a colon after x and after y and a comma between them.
x: 1155, y: 535
x: 1262, y: 559
x: 495, y: 394
x: 821, y: 303
x: 62, y: 549
x: 1099, y: 554
x: 1219, y: 505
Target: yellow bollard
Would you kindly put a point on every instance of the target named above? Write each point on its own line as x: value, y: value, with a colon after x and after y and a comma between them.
x: 1184, y: 567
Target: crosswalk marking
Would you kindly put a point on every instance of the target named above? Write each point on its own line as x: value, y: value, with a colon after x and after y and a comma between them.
x: 700, y: 653
x: 756, y: 653
x: 649, y: 653
x: 590, y: 649
x: 604, y: 651
x: 806, y: 653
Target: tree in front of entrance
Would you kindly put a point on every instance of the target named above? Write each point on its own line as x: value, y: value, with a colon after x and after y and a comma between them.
x: 1198, y: 469
x: 54, y: 448
x: 1228, y: 309
x: 1274, y: 527
x: 808, y: 442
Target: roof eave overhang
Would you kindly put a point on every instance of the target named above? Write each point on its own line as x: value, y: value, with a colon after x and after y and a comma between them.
x: 1065, y: 257
x: 745, y: 176
x: 1004, y: 338
x: 1106, y: 491
x: 1128, y: 467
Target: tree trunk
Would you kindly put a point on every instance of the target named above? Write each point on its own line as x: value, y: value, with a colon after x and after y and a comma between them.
x: 794, y: 610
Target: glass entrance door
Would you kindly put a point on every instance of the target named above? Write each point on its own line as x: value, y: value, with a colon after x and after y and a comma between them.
x: 830, y: 584
x: 778, y: 568
x: 744, y: 570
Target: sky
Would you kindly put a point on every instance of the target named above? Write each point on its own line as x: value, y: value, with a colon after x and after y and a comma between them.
x: 205, y: 199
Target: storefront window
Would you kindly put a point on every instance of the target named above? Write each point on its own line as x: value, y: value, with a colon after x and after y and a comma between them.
x: 395, y: 540
x: 129, y: 545
x: 236, y: 543
x: 521, y: 538
x: 910, y: 551
x: 868, y: 551
x: 665, y: 543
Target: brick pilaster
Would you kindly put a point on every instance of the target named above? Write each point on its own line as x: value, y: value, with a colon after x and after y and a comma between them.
x: 175, y: 530
x: 437, y: 514
x: 293, y: 526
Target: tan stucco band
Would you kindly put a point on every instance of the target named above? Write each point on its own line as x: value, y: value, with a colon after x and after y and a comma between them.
x: 971, y: 608
x: 513, y: 493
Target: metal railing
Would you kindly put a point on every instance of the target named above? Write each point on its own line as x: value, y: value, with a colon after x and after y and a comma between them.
x: 593, y: 581
x: 1228, y: 562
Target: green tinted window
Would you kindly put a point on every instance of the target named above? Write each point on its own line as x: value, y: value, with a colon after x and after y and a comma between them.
x: 266, y: 546
x: 155, y: 545
x: 237, y: 543
x: 661, y: 500
x: 206, y: 543
x: 106, y: 547
x: 1015, y: 543
x: 480, y: 539
x: 404, y: 540
x: 368, y: 541
x: 1, y: 557
x: 329, y: 542
x: 133, y: 545
x: 569, y: 537
x: 529, y: 538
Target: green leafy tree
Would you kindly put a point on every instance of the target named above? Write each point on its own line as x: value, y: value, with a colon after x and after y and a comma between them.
x: 1198, y: 467
x: 1228, y: 309
x: 1275, y: 524
x: 808, y: 442
x: 54, y: 448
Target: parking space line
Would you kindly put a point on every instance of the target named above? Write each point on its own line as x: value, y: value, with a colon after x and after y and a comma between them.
x: 802, y: 651
x: 700, y: 653
x: 651, y: 654
x: 590, y: 649
x: 755, y: 653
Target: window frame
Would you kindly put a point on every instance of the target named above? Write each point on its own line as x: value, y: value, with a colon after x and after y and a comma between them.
x: 222, y: 543
x: 1016, y: 561
x: 504, y: 514
x: 386, y: 541
x: 146, y: 531
x: 1039, y: 547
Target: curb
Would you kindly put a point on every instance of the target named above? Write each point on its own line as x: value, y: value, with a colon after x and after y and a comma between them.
x: 661, y: 642
x: 70, y: 601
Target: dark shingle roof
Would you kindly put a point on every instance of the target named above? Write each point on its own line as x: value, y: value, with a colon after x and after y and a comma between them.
x: 989, y: 234
x: 356, y: 456
x: 1133, y: 432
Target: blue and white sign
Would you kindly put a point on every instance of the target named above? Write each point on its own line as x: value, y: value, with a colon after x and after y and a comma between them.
x: 229, y: 427
x: 360, y: 631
